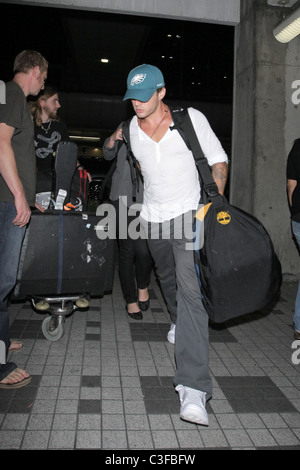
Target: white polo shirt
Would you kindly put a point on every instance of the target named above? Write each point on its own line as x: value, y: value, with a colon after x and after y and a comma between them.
x: 171, y: 181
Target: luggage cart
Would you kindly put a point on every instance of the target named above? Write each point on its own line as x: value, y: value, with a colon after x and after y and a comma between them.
x: 64, y: 261
x: 58, y: 308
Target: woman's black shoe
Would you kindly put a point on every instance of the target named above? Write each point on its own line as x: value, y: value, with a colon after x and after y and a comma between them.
x: 144, y: 305
x: 135, y: 315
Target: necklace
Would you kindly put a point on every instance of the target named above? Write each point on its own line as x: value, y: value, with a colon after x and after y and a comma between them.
x: 166, y: 112
x: 46, y: 129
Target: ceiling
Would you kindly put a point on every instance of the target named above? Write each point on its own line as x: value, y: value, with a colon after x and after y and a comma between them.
x: 282, y: 3
x: 196, y: 58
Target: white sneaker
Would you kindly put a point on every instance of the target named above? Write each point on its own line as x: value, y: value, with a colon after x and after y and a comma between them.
x: 171, y: 334
x: 192, y: 405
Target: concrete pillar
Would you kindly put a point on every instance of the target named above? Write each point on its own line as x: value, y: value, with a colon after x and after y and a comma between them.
x: 266, y: 122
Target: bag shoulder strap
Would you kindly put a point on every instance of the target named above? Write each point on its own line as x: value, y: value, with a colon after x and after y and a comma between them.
x: 109, y: 174
x: 125, y: 132
x: 135, y: 172
x: 183, y: 124
x: 107, y: 178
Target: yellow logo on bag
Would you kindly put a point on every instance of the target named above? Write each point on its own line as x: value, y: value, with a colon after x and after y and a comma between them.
x: 202, y: 212
x: 223, y: 218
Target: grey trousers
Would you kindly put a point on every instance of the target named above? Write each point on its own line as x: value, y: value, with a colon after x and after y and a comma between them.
x: 175, y: 269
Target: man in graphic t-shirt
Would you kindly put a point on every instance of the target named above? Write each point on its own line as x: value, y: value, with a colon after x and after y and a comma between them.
x: 49, y: 131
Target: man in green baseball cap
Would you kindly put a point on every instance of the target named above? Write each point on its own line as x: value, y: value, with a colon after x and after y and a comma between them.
x: 171, y: 196
x: 142, y: 82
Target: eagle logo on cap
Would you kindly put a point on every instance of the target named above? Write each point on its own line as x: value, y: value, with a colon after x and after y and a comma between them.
x: 138, y: 78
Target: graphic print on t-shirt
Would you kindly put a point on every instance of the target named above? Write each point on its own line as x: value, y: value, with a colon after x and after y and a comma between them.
x: 50, y: 143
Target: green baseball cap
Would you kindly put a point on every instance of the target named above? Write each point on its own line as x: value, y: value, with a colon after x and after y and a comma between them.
x: 142, y: 82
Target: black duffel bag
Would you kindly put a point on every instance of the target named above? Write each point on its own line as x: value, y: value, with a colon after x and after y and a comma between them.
x: 237, y: 266
x: 238, y: 269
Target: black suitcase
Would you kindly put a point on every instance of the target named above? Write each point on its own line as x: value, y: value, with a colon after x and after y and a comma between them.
x: 62, y: 254
x: 63, y: 261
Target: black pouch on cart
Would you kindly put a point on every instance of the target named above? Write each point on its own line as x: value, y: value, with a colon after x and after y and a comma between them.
x: 63, y: 254
x: 238, y: 269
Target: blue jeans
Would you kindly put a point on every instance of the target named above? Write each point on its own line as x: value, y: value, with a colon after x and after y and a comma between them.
x: 11, y: 238
x: 296, y: 231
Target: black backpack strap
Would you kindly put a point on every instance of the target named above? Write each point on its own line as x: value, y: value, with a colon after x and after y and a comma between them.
x: 135, y: 172
x: 183, y: 124
x: 107, y: 179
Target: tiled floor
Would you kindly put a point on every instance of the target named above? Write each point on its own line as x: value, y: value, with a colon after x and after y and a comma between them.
x: 107, y: 384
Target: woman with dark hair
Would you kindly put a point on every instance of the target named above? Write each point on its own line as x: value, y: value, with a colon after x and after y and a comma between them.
x: 135, y: 261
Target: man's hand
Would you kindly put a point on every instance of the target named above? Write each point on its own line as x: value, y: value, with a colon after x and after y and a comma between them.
x: 23, y: 212
x: 117, y: 135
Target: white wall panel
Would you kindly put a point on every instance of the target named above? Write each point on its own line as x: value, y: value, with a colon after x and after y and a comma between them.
x: 212, y: 11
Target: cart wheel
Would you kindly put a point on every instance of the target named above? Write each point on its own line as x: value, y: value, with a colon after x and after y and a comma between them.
x: 53, y: 327
x: 82, y: 302
x: 42, y: 305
